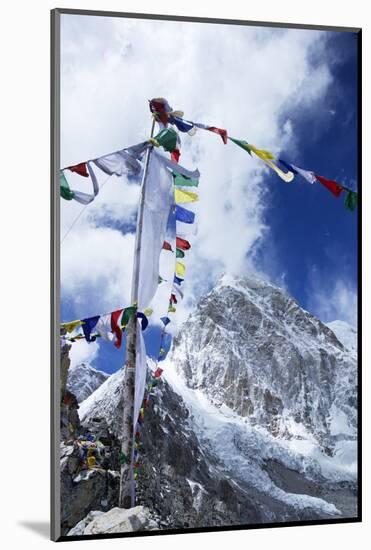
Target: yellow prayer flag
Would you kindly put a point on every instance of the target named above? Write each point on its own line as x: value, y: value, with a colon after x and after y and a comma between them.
x: 171, y: 309
x: 261, y: 153
x: 72, y: 325
x: 184, y: 196
x: 148, y: 311
x: 179, y: 269
x: 267, y: 157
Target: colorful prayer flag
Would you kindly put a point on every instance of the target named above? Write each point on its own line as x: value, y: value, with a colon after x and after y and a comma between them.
x: 288, y: 166
x: 104, y: 327
x: 167, y: 246
x: 261, y: 153
x: 177, y: 291
x: 88, y: 326
x: 175, y: 155
x: 127, y: 313
x: 331, y: 185
x: 171, y: 309
x: 71, y: 325
x: 180, y: 269
x: 79, y: 169
x: 144, y: 320
x: 221, y: 132
x: 165, y: 320
x: 181, y: 124
x: 115, y: 326
x: 182, y: 181
x: 167, y: 139
x: 184, y: 196
x: 66, y: 192
x: 179, y: 253
x: 160, y: 109
x: 306, y: 174
x: 183, y: 244
x: 351, y: 200
x: 241, y: 143
x: 265, y: 156
x: 177, y: 280
x: 184, y: 215
x: 79, y: 196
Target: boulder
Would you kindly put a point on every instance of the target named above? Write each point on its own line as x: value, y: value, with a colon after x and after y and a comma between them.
x: 119, y: 520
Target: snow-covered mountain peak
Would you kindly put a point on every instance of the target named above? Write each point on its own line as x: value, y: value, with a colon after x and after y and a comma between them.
x: 345, y: 333
x: 250, y: 346
x: 83, y: 380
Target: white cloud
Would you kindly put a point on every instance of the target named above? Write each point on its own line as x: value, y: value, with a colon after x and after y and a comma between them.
x: 334, y: 301
x: 83, y: 352
x: 242, y: 78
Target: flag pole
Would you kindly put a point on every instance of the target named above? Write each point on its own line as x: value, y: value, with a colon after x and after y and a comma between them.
x: 127, y: 482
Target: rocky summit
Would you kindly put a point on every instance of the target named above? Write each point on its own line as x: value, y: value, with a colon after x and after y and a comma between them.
x: 253, y: 421
x: 83, y: 380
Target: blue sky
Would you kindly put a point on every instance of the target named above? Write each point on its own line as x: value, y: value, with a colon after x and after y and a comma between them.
x: 296, y: 95
x: 313, y: 235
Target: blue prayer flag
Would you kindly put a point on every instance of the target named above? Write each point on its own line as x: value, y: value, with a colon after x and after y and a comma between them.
x: 144, y: 320
x: 88, y: 326
x: 288, y: 166
x: 184, y: 215
x: 181, y: 124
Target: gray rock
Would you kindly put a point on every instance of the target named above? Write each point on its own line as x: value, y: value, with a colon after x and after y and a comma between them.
x: 120, y: 520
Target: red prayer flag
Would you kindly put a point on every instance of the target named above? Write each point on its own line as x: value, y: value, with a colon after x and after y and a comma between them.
x: 80, y: 169
x: 175, y: 155
x: 160, y: 108
x: 167, y: 246
x: 115, y: 315
x: 222, y: 133
x: 158, y: 372
x: 182, y: 244
x: 173, y: 299
x: 331, y: 185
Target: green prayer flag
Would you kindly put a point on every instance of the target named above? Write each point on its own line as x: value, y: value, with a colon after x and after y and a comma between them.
x: 183, y: 181
x: 127, y: 313
x: 351, y: 200
x: 179, y: 253
x: 241, y: 143
x: 167, y: 139
x: 66, y: 192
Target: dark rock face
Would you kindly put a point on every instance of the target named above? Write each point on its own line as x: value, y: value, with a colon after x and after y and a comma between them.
x: 83, y: 490
x: 178, y: 480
